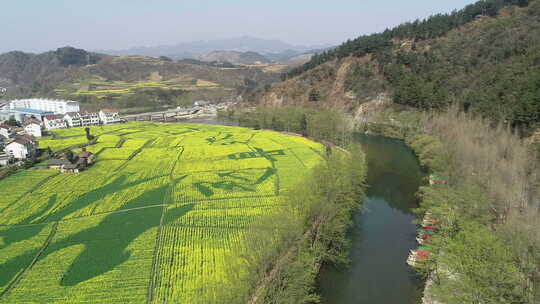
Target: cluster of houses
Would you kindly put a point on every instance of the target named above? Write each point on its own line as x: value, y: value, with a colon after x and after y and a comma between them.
x: 19, y: 143
x: 80, y: 119
x: 55, y: 114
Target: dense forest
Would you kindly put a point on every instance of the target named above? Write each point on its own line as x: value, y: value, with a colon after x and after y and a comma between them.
x: 432, y: 27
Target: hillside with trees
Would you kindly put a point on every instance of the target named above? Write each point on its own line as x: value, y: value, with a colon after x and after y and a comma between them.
x: 484, y: 57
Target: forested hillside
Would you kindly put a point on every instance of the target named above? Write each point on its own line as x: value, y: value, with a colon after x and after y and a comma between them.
x: 485, y: 57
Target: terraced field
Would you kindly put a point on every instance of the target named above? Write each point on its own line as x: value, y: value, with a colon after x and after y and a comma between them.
x: 115, y: 89
x: 158, y: 219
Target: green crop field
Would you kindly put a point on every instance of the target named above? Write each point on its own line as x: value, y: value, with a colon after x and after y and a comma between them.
x: 158, y: 219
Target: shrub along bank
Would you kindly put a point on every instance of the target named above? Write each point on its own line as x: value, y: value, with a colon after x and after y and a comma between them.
x: 327, y: 126
x: 487, y: 248
x: 286, y: 248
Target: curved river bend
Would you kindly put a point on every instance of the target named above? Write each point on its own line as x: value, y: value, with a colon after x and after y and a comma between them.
x: 383, y: 233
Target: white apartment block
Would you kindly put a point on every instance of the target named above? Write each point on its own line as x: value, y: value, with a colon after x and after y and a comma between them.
x: 47, y: 105
x: 56, y: 121
x: 82, y: 119
x: 73, y: 119
x: 89, y: 119
x: 109, y: 116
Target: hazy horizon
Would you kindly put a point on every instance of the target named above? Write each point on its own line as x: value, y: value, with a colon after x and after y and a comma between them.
x: 122, y: 24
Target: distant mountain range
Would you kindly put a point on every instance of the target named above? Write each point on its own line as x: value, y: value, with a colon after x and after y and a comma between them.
x: 234, y: 57
x: 273, y: 50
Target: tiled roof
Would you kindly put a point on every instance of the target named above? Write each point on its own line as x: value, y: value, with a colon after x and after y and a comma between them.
x: 71, y: 166
x: 58, y: 162
x: 85, y: 154
x: 54, y: 116
x: 32, y: 121
x: 21, y: 141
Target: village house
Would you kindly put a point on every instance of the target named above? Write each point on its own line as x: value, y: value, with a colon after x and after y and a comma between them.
x: 33, y: 127
x: 77, y: 119
x: 5, y: 130
x: 57, y: 164
x: 89, y: 119
x: 82, y: 161
x: 21, y: 148
x: 88, y: 157
x: 54, y: 121
x: 109, y: 116
x: 73, y: 119
x: 5, y: 159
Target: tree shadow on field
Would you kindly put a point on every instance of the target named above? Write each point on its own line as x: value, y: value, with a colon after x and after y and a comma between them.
x: 234, y: 181
x: 258, y: 153
x: 17, y: 234
x: 12, y: 235
x: 105, y: 245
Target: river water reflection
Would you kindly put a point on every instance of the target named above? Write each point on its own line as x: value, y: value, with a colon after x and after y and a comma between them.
x: 383, y: 233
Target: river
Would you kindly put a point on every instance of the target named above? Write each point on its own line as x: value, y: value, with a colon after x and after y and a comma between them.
x: 383, y: 233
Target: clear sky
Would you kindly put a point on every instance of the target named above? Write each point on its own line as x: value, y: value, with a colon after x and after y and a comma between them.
x: 39, y: 25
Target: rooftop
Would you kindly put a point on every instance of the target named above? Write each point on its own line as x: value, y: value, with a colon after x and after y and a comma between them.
x: 32, y: 121
x: 21, y: 141
x: 31, y: 111
x: 58, y: 162
x: 85, y: 154
x: 54, y: 116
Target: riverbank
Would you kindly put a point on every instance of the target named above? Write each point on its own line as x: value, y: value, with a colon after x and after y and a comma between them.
x: 383, y: 232
x: 487, y: 209
x: 317, y: 214
x: 318, y: 211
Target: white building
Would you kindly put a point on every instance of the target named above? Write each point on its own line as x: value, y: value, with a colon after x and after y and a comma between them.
x: 54, y: 121
x: 33, y: 127
x: 108, y: 116
x: 46, y: 105
x: 82, y: 119
x: 89, y: 119
x: 5, y: 159
x: 5, y: 130
x: 21, y: 148
x: 73, y: 119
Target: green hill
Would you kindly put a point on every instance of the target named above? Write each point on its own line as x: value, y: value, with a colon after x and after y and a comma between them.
x: 485, y: 57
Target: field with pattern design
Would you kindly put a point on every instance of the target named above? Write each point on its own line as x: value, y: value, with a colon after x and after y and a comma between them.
x: 158, y: 218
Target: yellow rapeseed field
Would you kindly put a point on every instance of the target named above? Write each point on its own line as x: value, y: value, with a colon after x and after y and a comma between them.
x: 159, y: 218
